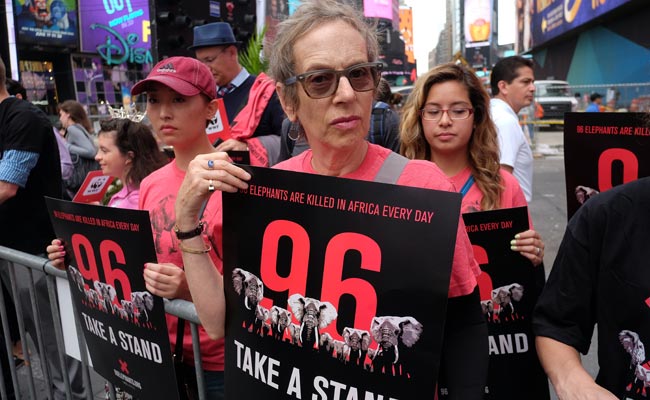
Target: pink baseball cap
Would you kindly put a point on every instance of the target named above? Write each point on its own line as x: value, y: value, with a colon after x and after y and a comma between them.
x: 185, y: 75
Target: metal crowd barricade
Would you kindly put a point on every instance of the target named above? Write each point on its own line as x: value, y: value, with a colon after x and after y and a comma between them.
x: 17, y: 259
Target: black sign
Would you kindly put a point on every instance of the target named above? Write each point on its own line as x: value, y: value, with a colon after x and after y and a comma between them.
x: 509, y: 286
x: 124, y: 325
x: 603, y: 150
x: 335, y: 288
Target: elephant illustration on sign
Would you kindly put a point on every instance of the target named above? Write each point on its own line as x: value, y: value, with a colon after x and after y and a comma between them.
x: 250, y: 290
x: 640, y: 368
x: 356, y: 346
x: 395, y: 335
x: 280, y: 320
x: 488, y: 310
x: 77, y: 278
x: 504, y: 297
x: 162, y: 221
x: 331, y: 347
x: 108, y: 295
x: 313, y: 316
x: 261, y: 315
x: 142, y: 302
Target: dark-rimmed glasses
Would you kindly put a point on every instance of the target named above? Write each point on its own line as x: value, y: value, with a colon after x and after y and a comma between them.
x: 435, y: 114
x: 323, y: 83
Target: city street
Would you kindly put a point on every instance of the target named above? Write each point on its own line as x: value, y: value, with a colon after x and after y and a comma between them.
x: 548, y: 209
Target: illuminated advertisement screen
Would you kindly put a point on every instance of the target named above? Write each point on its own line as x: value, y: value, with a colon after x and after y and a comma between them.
x: 478, y: 57
x: 478, y: 22
x: 555, y: 17
x: 118, y: 30
x: 293, y: 5
x: 378, y: 9
x: 46, y: 22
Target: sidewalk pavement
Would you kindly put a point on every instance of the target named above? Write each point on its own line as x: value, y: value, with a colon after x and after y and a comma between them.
x: 97, y: 382
x: 548, y: 143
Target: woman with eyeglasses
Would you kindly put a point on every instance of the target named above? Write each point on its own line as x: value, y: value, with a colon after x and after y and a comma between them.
x: 324, y: 62
x: 446, y: 120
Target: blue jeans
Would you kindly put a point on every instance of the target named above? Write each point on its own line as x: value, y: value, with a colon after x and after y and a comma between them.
x: 214, y: 384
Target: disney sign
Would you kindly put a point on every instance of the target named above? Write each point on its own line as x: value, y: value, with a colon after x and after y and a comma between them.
x: 118, y: 49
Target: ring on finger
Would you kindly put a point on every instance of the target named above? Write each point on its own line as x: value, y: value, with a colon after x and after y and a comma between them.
x: 210, y: 164
x: 538, y: 250
x: 211, y: 186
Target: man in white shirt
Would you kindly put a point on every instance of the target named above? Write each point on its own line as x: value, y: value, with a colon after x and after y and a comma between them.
x: 513, y: 89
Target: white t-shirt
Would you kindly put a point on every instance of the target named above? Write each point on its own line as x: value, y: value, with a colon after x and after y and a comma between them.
x: 513, y: 146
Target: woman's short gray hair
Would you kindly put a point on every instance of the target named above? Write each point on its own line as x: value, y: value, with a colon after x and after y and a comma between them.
x: 309, y: 15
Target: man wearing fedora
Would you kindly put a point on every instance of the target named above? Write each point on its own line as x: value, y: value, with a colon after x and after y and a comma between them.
x: 242, y: 93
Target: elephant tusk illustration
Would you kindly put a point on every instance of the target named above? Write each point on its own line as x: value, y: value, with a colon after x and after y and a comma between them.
x: 317, y: 337
x: 396, y: 354
x: 246, y: 303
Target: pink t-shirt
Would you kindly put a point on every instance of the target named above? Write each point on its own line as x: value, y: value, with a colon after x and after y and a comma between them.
x: 417, y: 173
x: 512, y: 195
x: 127, y: 198
x: 157, y: 195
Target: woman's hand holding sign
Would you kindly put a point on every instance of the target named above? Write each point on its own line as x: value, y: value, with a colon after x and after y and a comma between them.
x: 166, y: 280
x: 205, y: 174
x: 56, y: 254
x: 530, y: 245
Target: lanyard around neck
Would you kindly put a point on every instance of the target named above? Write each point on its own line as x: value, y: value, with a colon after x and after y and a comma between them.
x: 468, y: 184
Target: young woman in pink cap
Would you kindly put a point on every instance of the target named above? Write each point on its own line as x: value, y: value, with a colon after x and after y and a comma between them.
x: 181, y: 96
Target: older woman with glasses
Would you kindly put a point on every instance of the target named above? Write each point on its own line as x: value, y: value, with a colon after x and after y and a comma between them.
x: 324, y: 62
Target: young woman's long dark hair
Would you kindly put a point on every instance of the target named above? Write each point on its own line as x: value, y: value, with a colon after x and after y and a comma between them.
x: 136, y: 140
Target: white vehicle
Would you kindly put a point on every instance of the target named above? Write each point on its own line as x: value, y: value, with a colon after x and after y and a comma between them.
x: 556, y: 98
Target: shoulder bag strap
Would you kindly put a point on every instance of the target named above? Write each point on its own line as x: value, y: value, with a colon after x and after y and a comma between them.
x: 391, y: 169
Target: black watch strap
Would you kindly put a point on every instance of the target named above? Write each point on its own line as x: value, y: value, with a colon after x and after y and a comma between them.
x: 189, y: 234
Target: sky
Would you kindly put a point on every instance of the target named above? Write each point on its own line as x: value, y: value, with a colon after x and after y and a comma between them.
x: 429, y: 19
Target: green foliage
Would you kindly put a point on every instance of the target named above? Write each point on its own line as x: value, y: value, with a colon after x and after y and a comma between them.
x: 251, y: 57
x: 115, y: 187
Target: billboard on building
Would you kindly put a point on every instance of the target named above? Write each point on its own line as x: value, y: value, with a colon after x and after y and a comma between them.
x: 551, y: 18
x: 406, y: 30
x: 118, y: 30
x: 46, y: 22
x: 524, y: 38
x: 293, y: 5
x: 378, y: 9
x: 478, y: 23
x: 38, y: 79
x: 478, y: 57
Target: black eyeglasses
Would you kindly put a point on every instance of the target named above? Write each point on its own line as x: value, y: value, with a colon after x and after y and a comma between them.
x: 435, y: 114
x: 323, y: 83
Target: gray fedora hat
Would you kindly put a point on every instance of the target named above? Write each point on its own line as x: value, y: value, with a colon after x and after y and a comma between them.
x: 213, y: 34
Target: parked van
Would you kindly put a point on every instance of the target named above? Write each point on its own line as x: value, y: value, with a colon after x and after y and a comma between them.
x: 556, y: 98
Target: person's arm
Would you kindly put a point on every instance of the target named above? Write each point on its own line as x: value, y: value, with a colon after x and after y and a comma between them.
x: 7, y: 191
x: 79, y: 143
x: 564, y: 368
x: 15, y: 167
x: 204, y: 280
